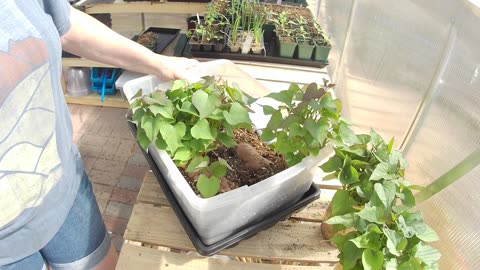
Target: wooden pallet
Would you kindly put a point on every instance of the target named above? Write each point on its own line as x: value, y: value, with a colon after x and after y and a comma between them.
x: 156, y: 240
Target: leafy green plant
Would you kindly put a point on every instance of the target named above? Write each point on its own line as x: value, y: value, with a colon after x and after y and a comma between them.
x: 304, y: 122
x: 375, y: 207
x: 258, y: 21
x: 191, y: 119
x: 320, y: 35
x: 234, y: 31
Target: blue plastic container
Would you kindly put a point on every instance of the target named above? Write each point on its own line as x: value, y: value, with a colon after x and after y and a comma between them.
x: 110, y: 75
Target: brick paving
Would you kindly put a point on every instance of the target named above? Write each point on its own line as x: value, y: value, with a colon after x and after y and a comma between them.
x: 112, y: 160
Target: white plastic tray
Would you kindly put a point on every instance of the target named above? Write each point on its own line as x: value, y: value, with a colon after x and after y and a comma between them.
x: 220, y: 216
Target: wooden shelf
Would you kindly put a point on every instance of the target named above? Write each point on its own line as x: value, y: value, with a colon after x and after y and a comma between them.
x: 147, y: 7
x: 81, y: 62
x: 116, y: 100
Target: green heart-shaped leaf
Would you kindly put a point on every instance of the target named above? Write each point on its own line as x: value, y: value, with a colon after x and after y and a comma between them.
x: 197, y: 163
x: 204, y: 103
x: 183, y: 154
x: 267, y: 110
x: 319, y: 131
x: 164, y: 111
x: 237, y: 115
x: 226, y: 140
x: 188, y: 107
x: 201, y: 130
x: 160, y: 97
x: 208, y: 187
x: 372, y: 259
x: 170, y: 136
x: 149, y: 126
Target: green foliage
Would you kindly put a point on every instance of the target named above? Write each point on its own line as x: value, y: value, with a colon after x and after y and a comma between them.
x: 191, y: 119
x: 376, y: 204
x: 304, y: 122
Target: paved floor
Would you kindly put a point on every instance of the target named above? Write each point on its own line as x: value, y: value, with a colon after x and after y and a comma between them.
x: 113, y: 161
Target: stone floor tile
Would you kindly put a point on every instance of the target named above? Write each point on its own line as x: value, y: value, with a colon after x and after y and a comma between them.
x: 125, y: 150
x: 108, y: 165
x: 119, y: 210
x: 122, y: 131
x: 89, y: 150
x: 110, y: 148
x: 130, y: 183
x: 117, y: 241
x: 135, y: 171
x: 106, y: 129
x: 88, y: 163
x: 95, y: 140
x: 115, y: 225
x: 102, y: 191
x: 102, y: 204
x: 124, y: 195
x: 105, y: 178
x: 138, y: 159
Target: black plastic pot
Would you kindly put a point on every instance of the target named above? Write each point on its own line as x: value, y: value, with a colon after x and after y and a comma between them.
x: 218, y: 47
x: 207, y: 47
x: 192, y: 22
x: 321, y: 52
x: 268, y: 32
x: 195, y: 46
x: 305, y: 48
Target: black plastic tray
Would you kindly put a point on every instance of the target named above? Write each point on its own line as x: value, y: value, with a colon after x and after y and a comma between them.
x: 271, y: 56
x: 243, y: 233
x: 165, y: 36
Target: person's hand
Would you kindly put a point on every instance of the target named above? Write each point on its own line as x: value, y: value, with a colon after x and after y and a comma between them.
x: 173, y: 68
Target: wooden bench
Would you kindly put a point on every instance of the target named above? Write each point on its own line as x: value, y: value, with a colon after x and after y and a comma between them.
x: 156, y: 240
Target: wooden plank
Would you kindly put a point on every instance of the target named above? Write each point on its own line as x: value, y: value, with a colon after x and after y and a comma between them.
x: 151, y: 193
x: 290, y: 241
x: 147, y: 7
x: 81, y: 62
x: 94, y: 99
x: 134, y: 257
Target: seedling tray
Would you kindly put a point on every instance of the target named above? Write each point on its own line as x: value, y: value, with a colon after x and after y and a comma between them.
x: 271, y: 56
x: 243, y: 233
x: 164, y: 37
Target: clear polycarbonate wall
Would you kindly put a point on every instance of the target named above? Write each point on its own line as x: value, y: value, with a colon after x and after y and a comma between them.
x: 411, y: 70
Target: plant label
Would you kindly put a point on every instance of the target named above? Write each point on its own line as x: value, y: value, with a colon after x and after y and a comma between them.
x: 247, y: 44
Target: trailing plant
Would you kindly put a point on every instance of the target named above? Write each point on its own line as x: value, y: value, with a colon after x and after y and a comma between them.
x: 374, y: 210
x: 304, y: 122
x: 191, y: 119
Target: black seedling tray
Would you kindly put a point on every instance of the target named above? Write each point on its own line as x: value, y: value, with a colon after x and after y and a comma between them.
x: 271, y: 55
x: 164, y: 37
x: 243, y: 233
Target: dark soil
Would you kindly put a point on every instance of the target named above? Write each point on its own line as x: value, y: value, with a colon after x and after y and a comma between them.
x: 148, y: 39
x: 240, y: 174
x: 293, y: 11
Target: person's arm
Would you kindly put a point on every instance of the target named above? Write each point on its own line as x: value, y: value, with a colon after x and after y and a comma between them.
x: 91, y: 39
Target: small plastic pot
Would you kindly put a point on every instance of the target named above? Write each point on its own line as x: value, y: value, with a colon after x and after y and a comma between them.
x: 321, y: 52
x: 207, y: 47
x: 218, y: 47
x: 286, y: 49
x: 305, y: 48
x: 234, y: 48
x: 192, y: 22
